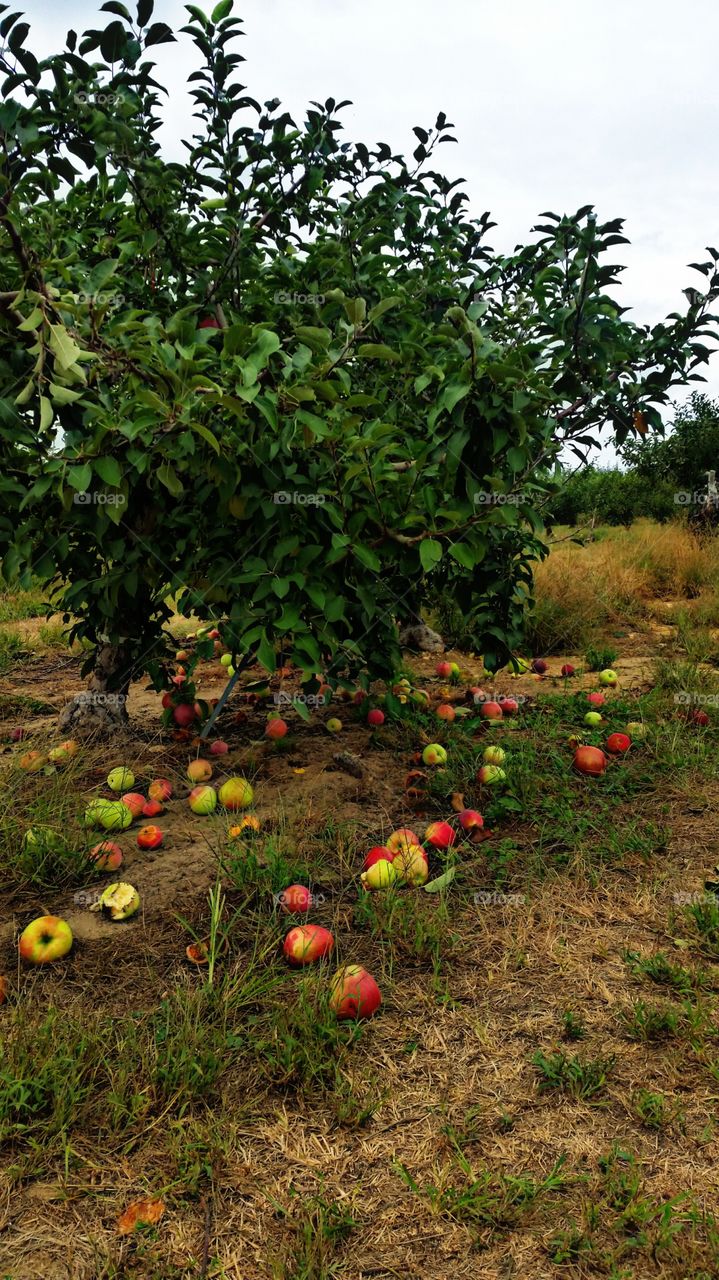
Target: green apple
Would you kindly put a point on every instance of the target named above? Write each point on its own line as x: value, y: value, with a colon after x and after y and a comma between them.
x: 226, y: 660
x: 434, y: 754
x: 593, y: 718
x: 608, y: 677
x: 334, y: 725
x: 203, y: 800
x: 236, y: 793
x: 119, y: 901
x: 45, y: 939
x: 115, y: 816
x: 494, y: 755
x: 121, y: 779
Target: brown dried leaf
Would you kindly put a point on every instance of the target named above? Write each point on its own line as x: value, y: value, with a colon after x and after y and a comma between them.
x: 145, y: 1212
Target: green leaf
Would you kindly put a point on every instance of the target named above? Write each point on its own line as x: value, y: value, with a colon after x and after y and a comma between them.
x: 109, y: 471
x: 430, y: 553
x: 441, y: 882
x: 221, y: 10
x: 376, y: 351
x: 144, y: 11
x: 206, y: 435
x: 170, y: 479
x: 63, y: 347
x: 302, y: 709
x: 356, y: 309
x: 463, y: 554
x: 80, y: 477
x: 385, y: 305
x: 34, y: 320
x: 63, y: 395
x: 46, y: 413
x: 266, y: 654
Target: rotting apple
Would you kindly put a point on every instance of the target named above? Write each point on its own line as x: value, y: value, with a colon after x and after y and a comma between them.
x: 440, y: 835
x: 64, y: 752
x: 33, y: 761
x: 45, y: 939
x: 354, y: 994
x: 119, y: 901
x: 236, y: 793
x: 590, y: 761
x: 637, y: 730
x: 306, y: 943
x: 198, y: 953
x: 249, y: 825
x: 149, y: 837
x: 700, y: 717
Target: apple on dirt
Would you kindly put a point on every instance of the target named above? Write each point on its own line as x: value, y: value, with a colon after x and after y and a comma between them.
x: 402, y: 838
x: 121, y: 779
x: 45, y: 939
x: 276, y: 728
x: 198, y: 953
x: 568, y: 671
x: 590, y: 761
x: 236, y: 793
x: 608, y: 678
x: 539, y: 666
x: 445, y: 711
x: 159, y: 789
x: 199, y: 771
x: 152, y: 809
x: 354, y: 993
x: 440, y: 835
x: 219, y: 748
x: 471, y: 821
x: 306, y: 943
x: 149, y: 837
x: 378, y: 853
x: 334, y: 725
x: 184, y: 714
x: 107, y: 855
x: 296, y: 899
x: 375, y: 718
x: 411, y: 866
x: 202, y: 800
x: 135, y: 802
x: 447, y: 670
x: 64, y: 752
x: 33, y: 761
x: 119, y: 901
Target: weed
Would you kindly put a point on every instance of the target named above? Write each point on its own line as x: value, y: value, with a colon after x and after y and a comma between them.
x: 581, y: 1078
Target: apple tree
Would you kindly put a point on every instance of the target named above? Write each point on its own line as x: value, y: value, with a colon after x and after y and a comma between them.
x: 282, y: 382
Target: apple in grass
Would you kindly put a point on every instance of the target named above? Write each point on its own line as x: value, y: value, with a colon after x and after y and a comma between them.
x: 135, y: 802
x: 494, y: 755
x: 114, y: 816
x: 508, y: 706
x: 249, y: 825
x: 380, y: 875
x: 306, y: 943
x: 107, y: 855
x: 199, y: 771
x: 219, y: 748
x: 445, y: 711
x: 295, y: 900
x: 64, y: 752
x: 33, y: 761
x: 203, y: 800
x: 276, y: 728
x: 636, y: 729
x: 618, y: 743
x: 440, y: 835
x: 402, y: 838
x: 697, y: 716
x: 354, y: 994
x: 434, y: 754
x: 378, y: 853
x: 470, y: 820
x: 608, y: 678
x: 42, y: 839
x: 45, y: 939
x: 149, y: 837
x: 590, y: 761
x: 159, y: 789
x: 596, y: 699
x: 410, y: 866
x: 490, y: 711
x: 121, y: 779
x: 593, y: 718
x: 375, y: 718
x: 236, y: 793
x: 490, y: 775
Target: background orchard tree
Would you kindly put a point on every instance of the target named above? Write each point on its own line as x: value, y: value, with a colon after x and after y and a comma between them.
x: 284, y: 383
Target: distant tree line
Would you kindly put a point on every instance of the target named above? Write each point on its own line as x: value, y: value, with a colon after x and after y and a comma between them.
x: 658, y: 476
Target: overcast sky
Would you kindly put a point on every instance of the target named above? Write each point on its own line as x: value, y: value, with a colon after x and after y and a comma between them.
x: 556, y: 103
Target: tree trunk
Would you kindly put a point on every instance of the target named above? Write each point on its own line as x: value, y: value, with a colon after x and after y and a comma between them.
x: 101, y: 710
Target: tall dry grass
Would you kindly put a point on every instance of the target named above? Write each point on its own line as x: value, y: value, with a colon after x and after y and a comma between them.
x: 617, y: 580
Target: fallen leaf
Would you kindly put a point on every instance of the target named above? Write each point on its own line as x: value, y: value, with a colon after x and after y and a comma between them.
x: 144, y: 1212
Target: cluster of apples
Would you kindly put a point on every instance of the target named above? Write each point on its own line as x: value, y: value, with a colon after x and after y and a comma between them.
x: 35, y: 761
x: 593, y: 761
x: 403, y: 859
x: 354, y: 993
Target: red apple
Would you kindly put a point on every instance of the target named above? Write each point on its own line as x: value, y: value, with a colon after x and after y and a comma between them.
x: 699, y: 717
x: 307, y: 943
x: 490, y: 711
x: 209, y: 322
x: 107, y: 855
x: 160, y: 789
x: 470, y: 819
x: 444, y: 670
x: 590, y: 761
x: 375, y: 718
x: 296, y: 899
x: 568, y: 670
x: 509, y: 706
x: 446, y: 711
x: 539, y: 666
x: 403, y: 838
x: 45, y: 939
x: 152, y: 809
x: 149, y: 837
x: 276, y: 729
x: 378, y: 853
x: 440, y: 835
x: 135, y: 802
x: 618, y: 743
x: 167, y: 700
x: 184, y: 715
x: 597, y: 699
x: 219, y: 748
x: 354, y: 993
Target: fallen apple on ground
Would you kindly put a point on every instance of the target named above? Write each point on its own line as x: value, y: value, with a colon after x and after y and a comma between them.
x: 306, y: 943
x: 107, y: 855
x: 152, y: 809
x: 699, y: 717
x: 33, y: 761
x: 203, y: 800
x: 490, y: 775
x: 508, y: 706
x: 596, y: 699
x: 380, y: 875
x: 608, y: 677
x: 135, y: 802
x: 568, y: 670
x: 296, y: 899
x: 590, y: 761
x: 593, y: 718
x: 618, y: 743
x: 378, y: 853
x: 121, y: 779
x: 354, y: 993
x: 159, y: 789
x: 636, y: 729
x: 119, y: 901
x: 114, y: 816
x: 494, y: 755
x: 45, y: 939
x: 197, y: 953
x: 445, y: 711
x: 490, y: 711
x: 411, y: 866
x: 434, y: 754
x: 539, y: 666
x: 218, y: 748
x: 470, y: 819
x: 149, y: 837
x: 64, y: 752
x: 247, y: 824
x: 276, y: 728
x: 334, y: 725
x: 199, y: 771
x: 375, y: 717
x: 440, y: 835
x: 402, y: 838
x: 236, y: 793
x: 41, y: 839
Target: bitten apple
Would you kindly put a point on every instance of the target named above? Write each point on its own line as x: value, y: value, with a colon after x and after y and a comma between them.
x: 354, y: 993
x: 470, y: 820
x: 119, y: 901
x: 306, y: 943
